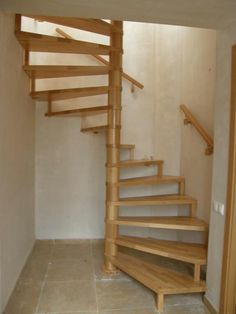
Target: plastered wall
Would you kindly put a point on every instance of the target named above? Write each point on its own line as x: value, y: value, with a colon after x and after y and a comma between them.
x: 226, y: 38
x: 16, y: 161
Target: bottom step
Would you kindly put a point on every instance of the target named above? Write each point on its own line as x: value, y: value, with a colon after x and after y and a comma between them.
x: 161, y: 280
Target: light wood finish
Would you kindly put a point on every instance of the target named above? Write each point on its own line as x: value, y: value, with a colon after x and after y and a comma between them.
x: 94, y: 129
x: 158, y: 200
x: 189, y: 118
x: 104, y: 61
x: 82, y: 112
x: 139, y: 163
x: 150, y: 180
x: 228, y: 282
x: 90, y: 25
x: 127, y: 146
x: 161, y: 280
x: 113, y: 143
x: 163, y: 222
x: 197, y: 272
x: 60, y: 94
x: 186, y: 252
x: 54, y: 71
x: 44, y: 43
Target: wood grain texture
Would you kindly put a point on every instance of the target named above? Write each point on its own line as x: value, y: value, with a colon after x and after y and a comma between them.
x: 95, y: 129
x: 54, y: 71
x: 186, y: 252
x: 44, y: 43
x: 163, y: 222
x: 150, y: 180
x: 69, y: 93
x: 82, y: 112
x: 91, y: 25
x: 159, y: 279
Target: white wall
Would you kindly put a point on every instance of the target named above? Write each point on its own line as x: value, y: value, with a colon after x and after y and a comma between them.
x: 226, y: 38
x: 16, y: 160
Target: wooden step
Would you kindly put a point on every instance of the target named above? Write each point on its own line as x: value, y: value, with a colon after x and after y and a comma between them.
x: 60, y: 94
x: 171, y: 199
x: 53, y: 71
x: 82, y: 112
x: 186, y: 252
x: 163, y: 222
x: 127, y: 146
x: 95, y: 129
x: 91, y: 25
x: 162, y: 281
x: 44, y: 43
x: 150, y: 180
x: 138, y: 163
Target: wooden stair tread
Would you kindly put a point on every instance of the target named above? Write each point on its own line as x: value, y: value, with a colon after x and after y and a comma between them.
x: 44, y: 43
x: 60, y: 94
x: 91, y: 25
x: 150, y: 180
x: 159, y: 279
x: 127, y: 146
x: 82, y: 112
x: 54, y: 71
x: 186, y: 252
x: 156, y: 200
x: 163, y: 222
x: 138, y: 163
x: 95, y: 129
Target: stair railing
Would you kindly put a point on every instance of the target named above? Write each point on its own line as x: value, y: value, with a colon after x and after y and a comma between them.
x: 190, y: 119
x: 104, y: 61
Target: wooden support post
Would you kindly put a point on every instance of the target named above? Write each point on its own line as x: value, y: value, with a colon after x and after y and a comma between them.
x: 193, y: 208
x: 113, y: 143
x: 182, y: 187
x: 197, y: 272
x: 18, y: 23
x: 160, y: 303
x: 27, y: 57
x: 160, y: 170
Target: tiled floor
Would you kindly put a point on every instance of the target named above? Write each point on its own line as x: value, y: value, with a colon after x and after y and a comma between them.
x: 65, y: 277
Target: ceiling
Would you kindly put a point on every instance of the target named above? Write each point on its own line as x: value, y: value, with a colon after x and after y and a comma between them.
x: 198, y: 13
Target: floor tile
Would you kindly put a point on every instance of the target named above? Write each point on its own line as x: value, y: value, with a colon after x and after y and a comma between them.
x: 25, y: 298
x: 184, y: 299
x: 189, y: 309
x: 34, y: 270
x: 123, y: 295
x: 62, y: 270
x: 77, y: 250
x: 68, y: 296
x: 133, y: 311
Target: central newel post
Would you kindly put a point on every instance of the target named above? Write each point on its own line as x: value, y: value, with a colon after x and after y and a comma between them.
x: 113, y: 142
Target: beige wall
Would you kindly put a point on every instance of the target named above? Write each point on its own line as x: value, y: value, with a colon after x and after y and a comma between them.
x: 16, y: 161
x: 225, y: 39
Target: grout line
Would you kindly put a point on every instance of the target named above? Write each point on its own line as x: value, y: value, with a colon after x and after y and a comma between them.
x: 94, y: 275
x: 44, y: 280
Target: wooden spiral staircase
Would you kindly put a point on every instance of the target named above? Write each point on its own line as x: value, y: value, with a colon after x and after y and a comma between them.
x: 161, y: 280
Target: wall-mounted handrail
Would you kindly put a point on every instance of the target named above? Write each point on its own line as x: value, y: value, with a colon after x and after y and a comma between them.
x: 104, y: 61
x: 190, y: 119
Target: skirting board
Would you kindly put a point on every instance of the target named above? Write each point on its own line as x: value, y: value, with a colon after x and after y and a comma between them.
x: 209, y: 306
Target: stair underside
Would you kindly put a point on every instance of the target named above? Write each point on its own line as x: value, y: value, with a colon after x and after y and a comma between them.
x: 163, y: 222
x: 83, y: 112
x: 138, y: 163
x: 156, y: 200
x: 95, y: 129
x: 55, y: 71
x: 159, y: 279
x: 62, y: 94
x: 186, y: 252
x: 44, y: 43
x: 150, y: 180
x: 90, y: 25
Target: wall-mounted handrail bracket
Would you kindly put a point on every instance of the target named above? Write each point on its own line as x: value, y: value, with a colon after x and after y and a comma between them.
x: 190, y: 119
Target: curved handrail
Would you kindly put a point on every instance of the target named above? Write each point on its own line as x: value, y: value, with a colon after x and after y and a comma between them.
x: 189, y: 118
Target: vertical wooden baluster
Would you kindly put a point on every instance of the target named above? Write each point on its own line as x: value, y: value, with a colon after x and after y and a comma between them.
x: 113, y: 143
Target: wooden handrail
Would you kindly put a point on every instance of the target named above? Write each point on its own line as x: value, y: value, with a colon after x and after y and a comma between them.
x: 104, y: 61
x: 190, y: 119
